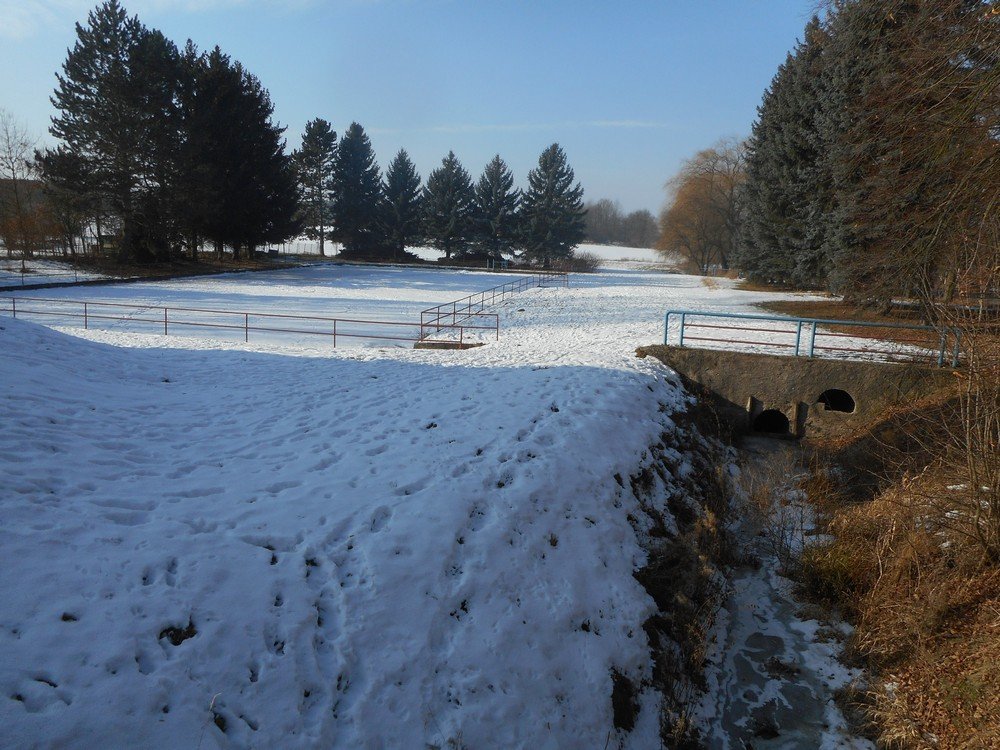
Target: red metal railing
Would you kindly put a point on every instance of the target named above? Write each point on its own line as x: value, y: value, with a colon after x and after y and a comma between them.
x: 432, y: 319
x: 157, y: 317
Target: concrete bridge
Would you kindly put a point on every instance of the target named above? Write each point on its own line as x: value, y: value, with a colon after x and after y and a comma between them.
x: 799, y: 397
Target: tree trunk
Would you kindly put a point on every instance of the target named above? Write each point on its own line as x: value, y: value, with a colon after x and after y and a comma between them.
x: 99, y: 247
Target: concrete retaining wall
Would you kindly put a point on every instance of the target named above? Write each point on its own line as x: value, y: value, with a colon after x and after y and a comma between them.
x: 748, y: 385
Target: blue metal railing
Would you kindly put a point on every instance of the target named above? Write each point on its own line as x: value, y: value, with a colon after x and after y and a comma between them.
x: 810, y: 336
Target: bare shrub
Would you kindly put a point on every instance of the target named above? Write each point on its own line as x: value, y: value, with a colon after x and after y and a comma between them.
x: 581, y: 262
x: 710, y: 282
x: 769, y: 485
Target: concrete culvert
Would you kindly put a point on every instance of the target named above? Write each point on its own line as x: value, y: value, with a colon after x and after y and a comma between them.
x: 772, y: 422
x: 834, y: 399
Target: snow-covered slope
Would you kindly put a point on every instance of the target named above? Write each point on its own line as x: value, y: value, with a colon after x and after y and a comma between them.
x: 225, y: 546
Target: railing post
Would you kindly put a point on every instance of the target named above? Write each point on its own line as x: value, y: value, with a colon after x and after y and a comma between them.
x: 944, y: 345
x: 335, y: 330
x: 957, y: 351
x: 461, y: 337
x: 812, y: 339
x: 85, y: 316
x: 680, y: 338
x: 666, y: 329
x: 798, y: 338
x: 164, y: 321
x: 246, y: 327
x: 13, y: 305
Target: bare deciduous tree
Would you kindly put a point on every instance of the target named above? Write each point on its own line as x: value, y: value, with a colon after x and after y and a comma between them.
x: 639, y: 229
x: 701, y: 218
x: 604, y: 221
x: 18, y: 191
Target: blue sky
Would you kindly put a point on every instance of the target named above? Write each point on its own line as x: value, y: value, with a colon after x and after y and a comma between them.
x: 628, y: 88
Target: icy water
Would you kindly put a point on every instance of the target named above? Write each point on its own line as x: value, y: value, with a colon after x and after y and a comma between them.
x: 772, y: 672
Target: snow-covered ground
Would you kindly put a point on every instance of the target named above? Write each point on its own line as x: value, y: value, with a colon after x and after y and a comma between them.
x: 41, y: 271
x: 392, y: 297
x: 376, y: 293
x: 634, y: 258
x: 276, y: 544
x: 612, y: 256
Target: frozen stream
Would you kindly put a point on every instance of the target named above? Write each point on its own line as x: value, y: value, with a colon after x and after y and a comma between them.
x: 772, y: 672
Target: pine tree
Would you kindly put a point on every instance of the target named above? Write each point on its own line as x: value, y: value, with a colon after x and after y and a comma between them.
x: 402, y: 205
x: 448, y: 207
x: 552, y: 213
x: 356, y: 193
x: 70, y: 199
x: 786, y: 192
x: 200, y: 165
x: 115, y: 101
x: 244, y: 193
x: 496, y: 204
x: 314, y: 171
x: 861, y: 53
x: 267, y: 199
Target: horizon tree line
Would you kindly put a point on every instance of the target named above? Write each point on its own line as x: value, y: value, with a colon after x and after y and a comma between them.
x: 608, y: 224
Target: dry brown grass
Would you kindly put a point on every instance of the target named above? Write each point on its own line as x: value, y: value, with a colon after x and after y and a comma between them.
x: 766, y: 482
x: 746, y: 285
x: 836, y: 308
x: 913, y: 574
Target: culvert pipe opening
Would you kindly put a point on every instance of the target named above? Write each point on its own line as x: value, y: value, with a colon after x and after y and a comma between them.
x: 771, y: 422
x: 834, y: 399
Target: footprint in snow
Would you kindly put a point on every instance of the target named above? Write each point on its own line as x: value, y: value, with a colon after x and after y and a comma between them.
x: 380, y: 518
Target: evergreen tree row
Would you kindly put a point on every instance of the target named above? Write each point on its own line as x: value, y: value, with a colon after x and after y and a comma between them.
x: 166, y: 149
x: 346, y: 199
x: 883, y: 115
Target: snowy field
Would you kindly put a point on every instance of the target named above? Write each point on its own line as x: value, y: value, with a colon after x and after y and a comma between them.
x: 612, y: 256
x: 636, y: 258
x: 379, y: 306
x: 217, y: 544
x: 41, y: 271
x: 388, y: 298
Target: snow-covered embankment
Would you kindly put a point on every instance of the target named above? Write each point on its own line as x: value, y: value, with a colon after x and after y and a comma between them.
x: 235, y: 548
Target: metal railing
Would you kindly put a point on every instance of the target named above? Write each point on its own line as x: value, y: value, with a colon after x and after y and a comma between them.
x: 816, y: 337
x: 156, y: 318
x: 431, y: 319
